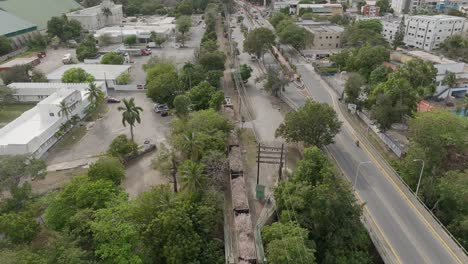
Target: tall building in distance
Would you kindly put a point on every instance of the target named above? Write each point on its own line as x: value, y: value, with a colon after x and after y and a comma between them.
x: 428, y: 32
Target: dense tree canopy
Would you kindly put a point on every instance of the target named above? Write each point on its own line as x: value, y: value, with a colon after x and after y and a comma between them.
x: 313, y: 123
x: 112, y: 58
x: 259, y: 41
x: 87, y: 49
x: 364, y: 32
x: 76, y: 75
x: 162, y: 83
x: 63, y: 28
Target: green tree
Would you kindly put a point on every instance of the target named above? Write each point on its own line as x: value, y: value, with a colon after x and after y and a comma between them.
x: 121, y: 146
x: 124, y: 78
x: 353, y: 87
x: 287, y: 243
x: 182, y: 105
x: 86, y: 49
x: 167, y: 162
x: 424, y: 85
x: 5, y: 45
x: 200, y: 95
x: 384, y: 6
x: 259, y: 41
x: 163, y: 88
x: 38, y: 76
x: 379, y: 75
x: 105, y: 39
x: 14, y: 168
x: 107, y: 168
x: 313, y: 123
x: 16, y: 74
x: 112, y: 58
x: 245, y: 72
x: 77, y: 75
x: 65, y: 109
x: 296, y: 36
x: 366, y: 59
x: 364, y: 32
x: 450, y: 80
x: 116, y: 239
x: 313, y: 167
x: 276, y: 81
x: 80, y: 193
x: 6, y: 96
x: 209, y: 46
x: 400, y: 34
x: 19, y: 228
x: 217, y: 100
x: 95, y: 95
x: 385, y: 112
x: 158, y: 39
x: 63, y: 28
x: 130, y: 114
x: 213, y: 60
x: 130, y: 40
x: 183, y: 23
x: 193, y: 178
x: 214, y: 78
x: 276, y: 18
x: 184, y: 8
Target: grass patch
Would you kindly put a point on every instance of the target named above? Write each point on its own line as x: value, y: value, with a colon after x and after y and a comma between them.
x: 249, y: 144
x: 71, y: 138
x: 9, y: 113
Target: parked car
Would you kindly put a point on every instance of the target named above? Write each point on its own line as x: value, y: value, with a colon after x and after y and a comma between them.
x: 158, y: 108
x: 146, y: 52
x: 112, y: 100
x: 228, y: 101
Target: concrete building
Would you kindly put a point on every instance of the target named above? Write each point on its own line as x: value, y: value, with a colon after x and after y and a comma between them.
x: 101, y: 72
x: 33, y: 133
x: 325, y: 36
x: 18, y: 30
x: 390, y: 27
x: 38, y: 12
x: 320, y: 9
x: 36, y: 92
x: 143, y: 32
x: 370, y: 9
x: 427, y: 32
x: 291, y: 5
x: 96, y: 17
x: 443, y: 66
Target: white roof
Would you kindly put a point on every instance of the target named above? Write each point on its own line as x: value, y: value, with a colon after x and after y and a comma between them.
x: 30, y: 124
x: 99, y: 71
x: 437, y: 17
x: 135, y: 30
x: 46, y: 85
x: 430, y: 57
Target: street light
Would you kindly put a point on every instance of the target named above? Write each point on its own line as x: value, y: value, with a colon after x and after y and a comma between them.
x: 420, y: 175
x: 357, y: 171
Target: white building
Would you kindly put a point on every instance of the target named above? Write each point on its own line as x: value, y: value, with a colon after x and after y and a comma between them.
x: 291, y: 5
x: 443, y: 66
x: 101, y: 72
x: 143, y: 32
x: 96, y: 17
x: 34, y: 131
x: 390, y: 28
x: 427, y: 32
x: 36, y: 92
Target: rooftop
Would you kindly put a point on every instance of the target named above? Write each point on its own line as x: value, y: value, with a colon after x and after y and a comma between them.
x: 44, y: 85
x: 99, y: 71
x: 430, y: 57
x: 10, y: 24
x: 38, y: 11
x: 94, y: 10
x: 57, y: 97
x: 135, y: 30
x: 325, y: 29
x: 437, y: 17
x: 30, y: 125
x: 18, y: 62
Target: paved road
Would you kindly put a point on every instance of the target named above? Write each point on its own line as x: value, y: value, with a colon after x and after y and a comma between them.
x: 409, y: 233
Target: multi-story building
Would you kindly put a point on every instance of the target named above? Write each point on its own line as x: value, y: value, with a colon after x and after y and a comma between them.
x: 96, y: 17
x: 321, y: 9
x: 326, y: 36
x: 390, y: 27
x: 291, y: 5
x: 428, y: 32
x: 370, y: 9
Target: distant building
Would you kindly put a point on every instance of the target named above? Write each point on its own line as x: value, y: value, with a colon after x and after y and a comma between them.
x: 325, y: 36
x: 321, y: 9
x: 36, y: 92
x: 101, y: 72
x: 33, y: 133
x: 18, y: 30
x: 290, y: 5
x: 390, y: 27
x: 428, y: 32
x: 143, y: 32
x: 442, y: 65
x: 38, y: 12
x: 370, y: 9
x: 97, y: 17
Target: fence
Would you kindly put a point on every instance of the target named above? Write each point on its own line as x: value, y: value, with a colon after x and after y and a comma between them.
x: 12, y: 54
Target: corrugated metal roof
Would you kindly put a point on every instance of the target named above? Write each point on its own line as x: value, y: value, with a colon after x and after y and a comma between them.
x: 10, y: 23
x: 38, y: 11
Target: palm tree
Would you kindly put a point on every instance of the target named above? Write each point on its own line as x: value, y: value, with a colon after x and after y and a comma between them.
x: 64, y: 109
x: 450, y: 80
x: 193, y: 178
x: 130, y: 114
x: 95, y: 94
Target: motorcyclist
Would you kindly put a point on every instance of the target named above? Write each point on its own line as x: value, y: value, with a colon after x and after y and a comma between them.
x: 357, y: 143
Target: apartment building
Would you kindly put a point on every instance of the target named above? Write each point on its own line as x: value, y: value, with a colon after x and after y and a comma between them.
x: 326, y: 36
x: 390, y: 27
x: 370, y: 9
x: 428, y: 32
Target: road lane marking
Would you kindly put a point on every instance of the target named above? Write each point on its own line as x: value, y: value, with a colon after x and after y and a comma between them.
x: 353, y: 133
